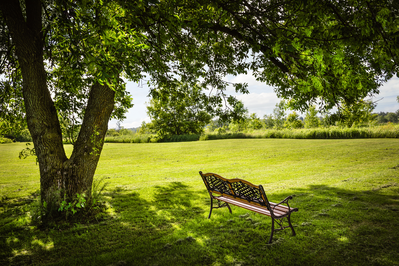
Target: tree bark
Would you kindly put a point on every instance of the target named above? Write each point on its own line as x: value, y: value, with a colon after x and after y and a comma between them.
x: 59, y: 175
x: 41, y: 114
x: 80, y: 168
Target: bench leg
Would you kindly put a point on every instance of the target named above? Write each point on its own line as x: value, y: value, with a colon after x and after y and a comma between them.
x: 228, y: 206
x: 271, y: 234
x: 289, y: 223
x: 210, y: 212
x: 219, y: 206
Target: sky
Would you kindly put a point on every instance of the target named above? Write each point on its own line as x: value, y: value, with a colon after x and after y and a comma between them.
x: 261, y: 100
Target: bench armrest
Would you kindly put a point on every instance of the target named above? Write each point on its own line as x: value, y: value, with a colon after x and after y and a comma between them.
x: 284, y: 201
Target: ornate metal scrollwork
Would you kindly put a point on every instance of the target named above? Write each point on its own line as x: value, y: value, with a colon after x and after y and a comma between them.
x: 247, y: 192
x: 280, y: 223
x: 217, y: 184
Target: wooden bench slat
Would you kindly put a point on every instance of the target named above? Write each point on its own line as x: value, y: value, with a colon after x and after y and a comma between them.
x: 279, y: 208
x: 245, y: 206
x: 259, y: 209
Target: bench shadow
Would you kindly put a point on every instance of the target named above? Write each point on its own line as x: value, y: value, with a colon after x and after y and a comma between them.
x: 333, y: 225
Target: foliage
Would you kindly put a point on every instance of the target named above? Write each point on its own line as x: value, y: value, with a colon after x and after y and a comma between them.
x: 332, y: 132
x: 391, y: 117
x: 237, y: 127
x: 357, y: 113
x: 112, y: 133
x: 254, y: 122
x: 328, y: 119
x: 81, y: 208
x: 293, y: 121
x: 125, y: 131
x: 385, y: 117
x: 15, y: 132
x: 129, y: 139
x: 279, y: 115
x: 310, y: 51
x: 241, y: 123
x: 151, y: 138
x: 213, y: 124
x: 220, y: 130
x: 74, y: 206
x: 311, y: 119
x: 177, y: 138
x: 268, y: 121
x: 27, y: 151
x: 12, y: 112
x: 178, y: 112
x: 5, y: 140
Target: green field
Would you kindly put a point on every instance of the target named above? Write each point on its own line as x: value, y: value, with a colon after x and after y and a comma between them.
x: 347, y: 192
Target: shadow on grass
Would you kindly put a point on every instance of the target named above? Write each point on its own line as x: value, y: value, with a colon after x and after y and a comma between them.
x: 333, y: 225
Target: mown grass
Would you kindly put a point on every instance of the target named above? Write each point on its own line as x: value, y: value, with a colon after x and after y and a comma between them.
x: 347, y: 192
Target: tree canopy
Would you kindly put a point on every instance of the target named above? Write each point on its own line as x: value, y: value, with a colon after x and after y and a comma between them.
x: 329, y: 51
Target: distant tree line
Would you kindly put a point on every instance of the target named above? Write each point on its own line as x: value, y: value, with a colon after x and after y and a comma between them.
x: 179, y: 115
x: 169, y: 118
x: 384, y: 117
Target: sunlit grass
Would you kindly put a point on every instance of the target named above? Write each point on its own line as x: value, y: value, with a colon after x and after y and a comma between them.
x: 347, y: 192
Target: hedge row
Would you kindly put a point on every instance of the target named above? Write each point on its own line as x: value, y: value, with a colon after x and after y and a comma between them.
x: 388, y: 131
x: 316, y: 133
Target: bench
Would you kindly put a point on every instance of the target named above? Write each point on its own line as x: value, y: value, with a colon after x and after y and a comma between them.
x: 246, y: 195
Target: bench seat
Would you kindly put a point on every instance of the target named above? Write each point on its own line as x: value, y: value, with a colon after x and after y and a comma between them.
x: 279, y: 211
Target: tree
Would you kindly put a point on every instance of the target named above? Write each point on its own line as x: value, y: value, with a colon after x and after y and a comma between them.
x: 60, y: 54
x: 112, y: 133
x: 268, y: 121
x: 254, y: 122
x: 293, y: 121
x: 279, y: 115
x: 311, y: 119
x: 12, y: 112
x: 178, y: 112
x: 391, y: 117
x: 71, y: 56
x: 381, y: 117
x: 356, y: 114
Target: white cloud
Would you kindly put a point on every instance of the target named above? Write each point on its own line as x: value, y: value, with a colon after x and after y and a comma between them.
x: 259, y: 103
x: 387, y: 96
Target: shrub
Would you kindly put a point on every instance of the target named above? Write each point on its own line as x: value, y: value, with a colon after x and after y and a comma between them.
x: 80, y: 208
x: 204, y: 137
x: 5, y: 140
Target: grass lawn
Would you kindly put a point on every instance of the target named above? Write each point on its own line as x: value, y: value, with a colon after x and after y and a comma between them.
x: 347, y: 192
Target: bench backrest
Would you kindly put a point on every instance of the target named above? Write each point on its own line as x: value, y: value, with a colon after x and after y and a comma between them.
x: 237, y: 188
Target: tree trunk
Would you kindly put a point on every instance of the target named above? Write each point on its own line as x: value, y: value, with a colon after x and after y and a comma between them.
x: 79, y: 169
x: 59, y: 175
